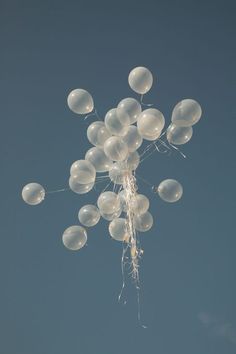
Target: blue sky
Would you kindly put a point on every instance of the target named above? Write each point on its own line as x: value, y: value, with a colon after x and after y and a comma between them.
x: 56, y: 302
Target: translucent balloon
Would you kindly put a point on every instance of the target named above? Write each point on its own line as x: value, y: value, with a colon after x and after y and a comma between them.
x: 112, y: 216
x: 116, y: 149
x: 98, y: 159
x: 118, y: 171
x: 97, y: 133
x: 74, y: 238
x: 118, y: 229
x: 108, y: 202
x: 132, y: 107
x: 143, y: 222
x: 79, y: 188
x: 89, y: 215
x: 133, y: 160
x: 179, y: 135
x: 80, y: 101
x: 139, y: 204
x: 140, y: 80
x: 170, y: 190
x: 84, y: 171
x: 132, y: 138
x: 150, y: 124
x: 123, y: 199
x: 186, y: 113
x: 33, y: 193
x: 117, y: 121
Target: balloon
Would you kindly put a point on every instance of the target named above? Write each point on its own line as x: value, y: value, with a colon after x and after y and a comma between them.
x: 140, y: 80
x: 108, y: 202
x: 33, y: 193
x: 117, y: 121
x: 123, y: 197
x: 97, y: 133
x: 116, y: 149
x: 80, y: 101
x: 89, y: 215
x: 186, y: 113
x: 150, y: 124
x: 132, y: 138
x: 133, y: 160
x: 118, y: 229
x: 132, y: 107
x: 170, y: 190
x: 74, y: 237
x: 79, y: 188
x: 118, y: 172
x: 98, y: 159
x: 139, y: 204
x: 84, y: 171
x: 112, y: 216
x: 143, y: 222
x: 178, y: 135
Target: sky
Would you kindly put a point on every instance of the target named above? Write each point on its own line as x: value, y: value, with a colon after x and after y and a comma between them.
x: 58, y: 302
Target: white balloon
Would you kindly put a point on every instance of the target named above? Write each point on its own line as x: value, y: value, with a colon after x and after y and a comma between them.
x: 139, y: 204
x: 118, y: 171
x: 33, y: 193
x: 112, y: 216
x: 132, y: 107
x: 133, y: 160
x: 108, y: 202
x: 98, y: 159
x: 84, y: 171
x: 170, y: 190
x: 97, y: 133
x: 132, y: 138
x: 186, y: 113
x: 123, y: 199
x: 74, y: 237
x: 89, y: 215
x: 156, y: 113
x: 79, y: 188
x: 143, y: 222
x: 140, y: 80
x: 80, y: 101
x: 150, y: 124
x: 117, y: 121
x: 116, y: 149
x: 118, y: 229
x: 179, y: 135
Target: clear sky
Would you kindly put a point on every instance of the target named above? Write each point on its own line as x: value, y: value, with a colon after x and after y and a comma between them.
x: 58, y: 302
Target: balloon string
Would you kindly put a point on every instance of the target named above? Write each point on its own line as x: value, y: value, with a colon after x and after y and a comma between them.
x: 94, y: 113
x: 145, y: 104
x: 57, y: 191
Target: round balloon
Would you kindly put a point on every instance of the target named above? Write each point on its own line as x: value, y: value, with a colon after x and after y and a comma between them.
x: 118, y: 171
x: 80, y: 101
x: 97, y: 133
x: 154, y: 112
x: 132, y: 138
x: 33, y: 193
x: 89, y: 215
x: 84, y: 171
x: 116, y: 149
x: 133, y: 160
x: 143, y: 222
x: 139, y: 204
x: 117, y: 121
x: 112, y: 216
x: 150, y: 124
x: 118, y: 229
x: 74, y: 237
x: 79, y: 188
x: 170, y: 190
x: 178, y: 135
x: 140, y: 80
x: 186, y: 113
x: 108, y: 202
x: 98, y: 159
x: 132, y: 107
x: 123, y: 199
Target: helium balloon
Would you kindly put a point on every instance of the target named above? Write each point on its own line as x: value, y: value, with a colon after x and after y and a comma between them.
x: 139, y: 204
x: 117, y: 121
x: 132, y: 107
x: 74, y: 237
x: 89, y: 215
x: 79, y: 188
x: 140, y: 80
x: 186, y: 113
x: 143, y: 222
x: 97, y: 133
x: 80, y: 101
x: 170, y: 190
x: 33, y: 193
x: 132, y: 138
x: 108, y: 202
x: 123, y: 199
x: 150, y: 124
x: 116, y: 149
x: 154, y: 112
x: 118, y: 171
x: 112, y: 216
x: 118, y: 229
x: 178, y: 135
x: 133, y: 160
x: 84, y: 171
x: 98, y: 159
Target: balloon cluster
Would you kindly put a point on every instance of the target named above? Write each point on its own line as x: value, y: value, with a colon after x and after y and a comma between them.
x: 115, y: 143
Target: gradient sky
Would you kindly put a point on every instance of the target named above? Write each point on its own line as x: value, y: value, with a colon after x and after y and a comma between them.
x: 58, y: 302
